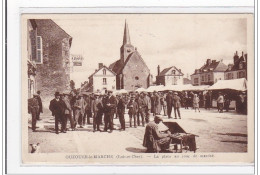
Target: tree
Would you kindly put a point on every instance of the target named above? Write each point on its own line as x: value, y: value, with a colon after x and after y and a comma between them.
x: 72, y: 84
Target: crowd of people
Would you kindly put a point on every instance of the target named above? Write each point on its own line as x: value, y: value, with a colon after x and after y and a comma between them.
x: 79, y: 107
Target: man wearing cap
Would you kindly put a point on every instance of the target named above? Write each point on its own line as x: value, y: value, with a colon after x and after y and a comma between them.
x: 121, y: 111
x: 80, y: 109
x: 33, y: 108
x: 68, y: 112
x: 95, y: 109
x: 176, y: 105
x: 56, y: 107
x: 148, y: 106
x: 133, y: 109
x: 40, y: 104
x: 111, y: 105
x: 169, y: 101
x: 155, y: 141
x: 141, y: 109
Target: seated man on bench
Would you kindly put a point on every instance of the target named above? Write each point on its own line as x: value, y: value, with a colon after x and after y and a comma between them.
x: 155, y: 141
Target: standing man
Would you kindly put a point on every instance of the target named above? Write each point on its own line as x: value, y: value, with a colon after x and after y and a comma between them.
x: 157, y: 104
x: 80, y: 109
x: 141, y: 109
x: 95, y: 111
x: 220, y: 102
x: 169, y: 101
x: 121, y: 111
x: 56, y: 107
x: 68, y: 111
x: 148, y: 105
x: 133, y: 108
x: 40, y: 104
x: 111, y: 104
x: 33, y: 108
x: 176, y: 105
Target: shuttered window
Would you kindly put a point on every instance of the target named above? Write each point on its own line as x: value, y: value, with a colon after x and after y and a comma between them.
x: 39, y: 50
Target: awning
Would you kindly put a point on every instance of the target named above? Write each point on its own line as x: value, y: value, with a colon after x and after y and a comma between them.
x: 235, y: 84
x: 155, y: 88
x: 140, y: 90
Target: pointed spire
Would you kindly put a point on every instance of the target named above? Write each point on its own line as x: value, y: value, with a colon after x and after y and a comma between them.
x: 126, y: 39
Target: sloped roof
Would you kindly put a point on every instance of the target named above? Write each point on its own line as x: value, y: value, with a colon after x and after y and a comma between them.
x: 117, y: 66
x: 164, y: 72
x: 236, y: 64
x: 100, y: 69
x: 235, y: 84
x: 214, y: 66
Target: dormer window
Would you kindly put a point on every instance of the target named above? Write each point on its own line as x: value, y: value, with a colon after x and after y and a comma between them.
x: 173, y: 72
x: 104, y: 71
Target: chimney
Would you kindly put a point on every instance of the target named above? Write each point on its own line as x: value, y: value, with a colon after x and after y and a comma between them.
x: 236, y: 57
x: 208, y: 61
x: 158, y: 69
x: 180, y: 70
x: 100, y: 65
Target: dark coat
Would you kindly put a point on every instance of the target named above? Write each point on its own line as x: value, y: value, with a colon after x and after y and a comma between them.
x: 113, y: 103
x: 176, y: 102
x: 169, y: 100
x: 133, y: 108
x: 121, y: 104
x: 56, y: 107
x: 40, y: 103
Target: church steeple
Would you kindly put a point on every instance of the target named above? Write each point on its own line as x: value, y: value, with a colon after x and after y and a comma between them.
x: 126, y: 39
x: 126, y: 48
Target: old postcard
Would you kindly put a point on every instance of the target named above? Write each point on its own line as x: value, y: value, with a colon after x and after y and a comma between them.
x: 137, y: 89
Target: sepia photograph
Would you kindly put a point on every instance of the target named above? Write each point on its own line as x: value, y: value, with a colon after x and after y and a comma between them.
x: 137, y: 88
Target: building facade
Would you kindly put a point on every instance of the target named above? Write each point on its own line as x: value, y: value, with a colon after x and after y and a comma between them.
x: 131, y: 70
x: 31, y: 57
x: 169, y: 76
x: 238, y: 69
x: 53, y: 58
x: 102, y: 79
x: 209, y: 73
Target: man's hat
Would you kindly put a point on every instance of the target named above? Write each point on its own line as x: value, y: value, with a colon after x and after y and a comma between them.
x: 110, y: 91
x: 175, y: 93
x: 57, y: 94
x: 35, y: 95
x: 96, y: 94
x: 38, y: 92
x: 158, y: 117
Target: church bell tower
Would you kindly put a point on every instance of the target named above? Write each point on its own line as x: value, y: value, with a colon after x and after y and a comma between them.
x: 126, y: 48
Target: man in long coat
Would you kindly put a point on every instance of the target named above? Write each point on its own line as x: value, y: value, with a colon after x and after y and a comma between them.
x: 176, y: 105
x: 148, y: 105
x: 56, y: 107
x: 79, y: 106
x: 157, y: 103
x: 155, y: 141
x: 33, y: 108
x: 121, y: 111
x: 111, y: 105
x: 40, y: 105
x: 169, y: 101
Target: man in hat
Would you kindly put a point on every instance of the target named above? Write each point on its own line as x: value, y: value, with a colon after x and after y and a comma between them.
x: 176, y: 105
x: 40, y: 104
x: 141, y: 109
x: 132, y: 110
x: 33, y: 108
x: 79, y: 110
x: 111, y: 105
x: 95, y: 109
x: 56, y: 107
x: 121, y: 111
x: 155, y: 141
x: 148, y: 106
x: 169, y: 101
x: 68, y: 112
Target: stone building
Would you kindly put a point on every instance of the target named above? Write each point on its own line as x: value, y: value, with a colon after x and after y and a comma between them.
x: 209, y: 73
x: 31, y: 57
x: 131, y: 70
x: 238, y: 69
x: 53, y: 58
x: 102, y: 79
x: 169, y: 76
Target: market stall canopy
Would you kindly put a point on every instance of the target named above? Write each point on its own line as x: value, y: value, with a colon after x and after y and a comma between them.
x: 140, y: 90
x: 123, y: 91
x: 155, y: 88
x: 235, y: 84
x: 198, y: 88
x: 178, y: 87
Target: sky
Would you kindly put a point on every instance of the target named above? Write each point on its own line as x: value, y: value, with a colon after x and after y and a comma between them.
x: 183, y: 41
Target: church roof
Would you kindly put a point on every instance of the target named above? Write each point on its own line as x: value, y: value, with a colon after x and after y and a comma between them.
x: 117, y: 66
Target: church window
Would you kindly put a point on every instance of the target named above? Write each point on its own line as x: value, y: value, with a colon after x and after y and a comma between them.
x: 104, y: 71
x: 136, y: 78
x: 104, y: 81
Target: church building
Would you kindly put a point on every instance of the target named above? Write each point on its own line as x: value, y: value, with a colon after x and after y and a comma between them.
x: 131, y: 70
